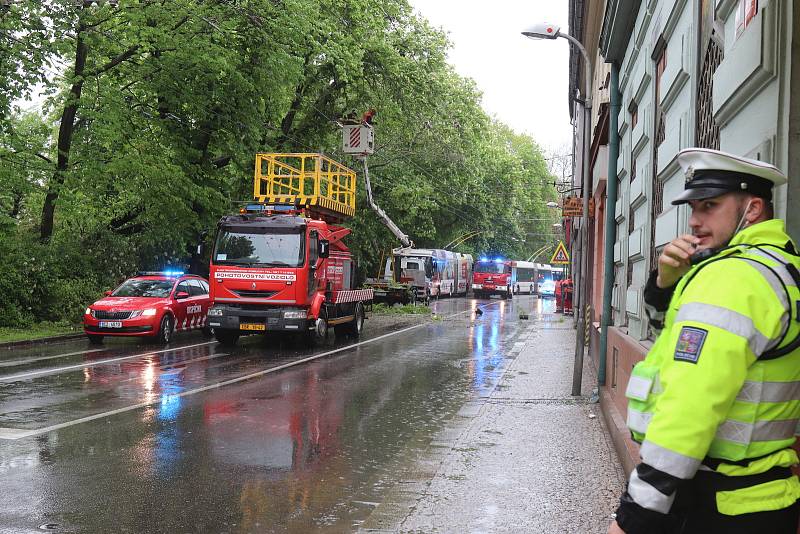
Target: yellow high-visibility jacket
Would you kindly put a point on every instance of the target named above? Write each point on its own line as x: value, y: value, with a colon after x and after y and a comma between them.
x: 716, y: 389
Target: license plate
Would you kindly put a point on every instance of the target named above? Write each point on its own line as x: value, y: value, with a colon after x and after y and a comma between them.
x: 110, y: 324
x: 257, y: 327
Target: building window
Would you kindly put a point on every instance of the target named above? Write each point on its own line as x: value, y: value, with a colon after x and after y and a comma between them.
x: 657, y: 204
x: 631, y: 225
x: 634, y: 109
x: 630, y: 273
x: 745, y: 12
x: 707, y: 132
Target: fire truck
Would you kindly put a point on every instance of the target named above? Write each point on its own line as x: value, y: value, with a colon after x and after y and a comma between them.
x: 493, y: 277
x: 281, y: 264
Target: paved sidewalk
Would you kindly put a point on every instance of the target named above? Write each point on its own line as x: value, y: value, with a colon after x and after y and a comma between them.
x: 526, y: 458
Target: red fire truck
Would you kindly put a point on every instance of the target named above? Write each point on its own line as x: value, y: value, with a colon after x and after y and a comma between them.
x: 281, y: 264
x: 493, y: 277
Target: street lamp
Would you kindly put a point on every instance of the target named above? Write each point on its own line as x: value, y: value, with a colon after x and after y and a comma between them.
x: 553, y: 31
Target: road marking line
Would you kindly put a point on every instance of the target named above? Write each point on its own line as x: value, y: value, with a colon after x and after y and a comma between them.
x: 43, y: 372
x: 17, y: 363
x: 15, y: 433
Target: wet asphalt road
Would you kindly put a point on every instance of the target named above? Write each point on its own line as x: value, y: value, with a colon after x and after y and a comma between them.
x: 263, y: 437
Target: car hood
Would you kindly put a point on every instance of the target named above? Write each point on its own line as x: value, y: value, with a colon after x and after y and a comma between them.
x: 128, y: 303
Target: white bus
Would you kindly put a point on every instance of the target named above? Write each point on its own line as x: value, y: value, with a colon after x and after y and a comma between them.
x: 433, y: 272
x: 524, y: 274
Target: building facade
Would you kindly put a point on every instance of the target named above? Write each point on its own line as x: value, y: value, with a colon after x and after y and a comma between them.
x: 711, y: 73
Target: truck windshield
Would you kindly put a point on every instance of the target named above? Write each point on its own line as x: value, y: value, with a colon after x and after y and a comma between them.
x: 144, y: 288
x: 489, y: 267
x: 259, y: 249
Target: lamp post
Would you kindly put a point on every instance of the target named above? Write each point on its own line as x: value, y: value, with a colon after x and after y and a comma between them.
x: 552, y: 31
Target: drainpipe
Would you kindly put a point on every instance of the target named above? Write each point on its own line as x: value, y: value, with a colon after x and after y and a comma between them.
x: 611, y: 221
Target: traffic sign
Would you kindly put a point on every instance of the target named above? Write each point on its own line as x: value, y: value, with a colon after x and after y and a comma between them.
x: 560, y: 256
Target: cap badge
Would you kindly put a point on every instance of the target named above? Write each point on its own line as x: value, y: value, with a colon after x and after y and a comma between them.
x: 689, y: 174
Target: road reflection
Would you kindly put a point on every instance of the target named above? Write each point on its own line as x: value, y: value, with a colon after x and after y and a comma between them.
x: 306, y: 449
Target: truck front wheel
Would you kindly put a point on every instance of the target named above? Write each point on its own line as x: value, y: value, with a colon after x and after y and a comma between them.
x: 319, y: 332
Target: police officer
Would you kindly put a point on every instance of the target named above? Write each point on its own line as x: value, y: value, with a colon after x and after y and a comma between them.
x: 716, y: 401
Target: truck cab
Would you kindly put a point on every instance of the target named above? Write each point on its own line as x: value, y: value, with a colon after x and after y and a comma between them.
x: 493, y: 277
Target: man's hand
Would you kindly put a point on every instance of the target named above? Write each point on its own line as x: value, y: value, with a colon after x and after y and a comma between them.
x: 674, y: 261
x: 613, y: 528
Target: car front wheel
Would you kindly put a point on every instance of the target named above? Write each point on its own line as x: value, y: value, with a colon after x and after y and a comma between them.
x: 164, y: 335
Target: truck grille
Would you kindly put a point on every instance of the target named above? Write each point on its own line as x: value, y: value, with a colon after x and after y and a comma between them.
x: 251, y: 294
x: 116, y: 316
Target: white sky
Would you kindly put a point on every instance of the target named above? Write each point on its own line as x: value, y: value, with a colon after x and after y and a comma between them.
x: 524, y: 82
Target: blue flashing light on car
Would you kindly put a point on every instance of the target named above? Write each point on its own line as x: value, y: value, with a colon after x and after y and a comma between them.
x: 484, y: 259
x: 498, y: 260
x: 169, y: 274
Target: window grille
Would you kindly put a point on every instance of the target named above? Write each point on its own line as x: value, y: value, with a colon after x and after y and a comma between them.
x: 657, y: 203
x: 707, y: 130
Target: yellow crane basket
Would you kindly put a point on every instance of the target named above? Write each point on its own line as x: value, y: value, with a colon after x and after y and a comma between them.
x: 310, y: 181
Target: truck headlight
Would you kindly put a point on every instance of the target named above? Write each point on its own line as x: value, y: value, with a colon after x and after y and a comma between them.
x: 476, y: 286
x: 296, y: 314
x: 215, y: 312
x: 149, y: 312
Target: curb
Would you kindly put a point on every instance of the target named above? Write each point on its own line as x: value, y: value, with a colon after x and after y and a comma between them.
x: 627, y: 451
x: 40, y: 341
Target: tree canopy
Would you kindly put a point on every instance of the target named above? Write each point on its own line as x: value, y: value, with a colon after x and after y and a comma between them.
x: 153, y: 110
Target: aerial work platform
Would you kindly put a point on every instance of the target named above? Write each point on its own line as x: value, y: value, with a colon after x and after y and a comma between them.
x: 306, y: 180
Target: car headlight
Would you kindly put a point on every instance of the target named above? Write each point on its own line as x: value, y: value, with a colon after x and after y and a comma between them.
x: 215, y: 312
x: 88, y: 311
x: 297, y: 314
x: 149, y: 312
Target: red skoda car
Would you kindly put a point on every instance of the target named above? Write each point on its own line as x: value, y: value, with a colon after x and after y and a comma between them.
x: 153, y: 304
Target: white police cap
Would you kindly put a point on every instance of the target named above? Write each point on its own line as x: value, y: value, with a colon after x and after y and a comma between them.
x: 711, y: 173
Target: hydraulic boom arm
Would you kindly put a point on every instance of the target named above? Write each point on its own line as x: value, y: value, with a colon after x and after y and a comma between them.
x: 382, y: 214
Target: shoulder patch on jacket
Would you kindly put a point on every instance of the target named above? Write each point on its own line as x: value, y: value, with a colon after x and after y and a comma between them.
x: 690, y: 343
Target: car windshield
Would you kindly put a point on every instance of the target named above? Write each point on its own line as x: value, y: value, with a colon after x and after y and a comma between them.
x: 261, y: 249
x: 489, y: 267
x: 138, y: 287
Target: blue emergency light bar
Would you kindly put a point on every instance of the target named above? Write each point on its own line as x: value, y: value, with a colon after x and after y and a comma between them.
x: 499, y: 260
x: 269, y: 207
x: 170, y: 274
